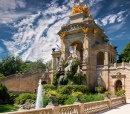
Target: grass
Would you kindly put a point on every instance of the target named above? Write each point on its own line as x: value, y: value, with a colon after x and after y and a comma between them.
x: 8, y: 108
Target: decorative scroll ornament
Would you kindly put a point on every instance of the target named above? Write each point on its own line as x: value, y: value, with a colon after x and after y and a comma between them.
x: 62, y: 35
x: 85, y: 30
x: 95, y: 32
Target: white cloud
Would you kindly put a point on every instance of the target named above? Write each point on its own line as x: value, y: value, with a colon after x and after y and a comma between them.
x: 93, y: 2
x: 115, y: 27
x: 112, y: 18
x: 30, y: 40
x: 8, y: 12
x: 1, y: 50
x: 6, y: 5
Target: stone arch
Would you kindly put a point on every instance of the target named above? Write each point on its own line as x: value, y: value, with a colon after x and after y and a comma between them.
x: 118, y: 85
x: 79, y: 46
x: 44, y: 82
x: 100, y: 58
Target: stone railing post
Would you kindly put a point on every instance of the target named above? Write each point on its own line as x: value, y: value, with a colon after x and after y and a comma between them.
x: 110, y: 103
x: 124, y: 98
x: 123, y: 64
x: 81, y: 108
x: 115, y: 65
x: 55, y: 110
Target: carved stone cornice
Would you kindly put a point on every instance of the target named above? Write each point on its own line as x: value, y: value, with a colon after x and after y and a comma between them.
x: 74, y: 27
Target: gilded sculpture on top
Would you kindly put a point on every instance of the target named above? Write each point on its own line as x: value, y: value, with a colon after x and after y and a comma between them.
x: 80, y: 8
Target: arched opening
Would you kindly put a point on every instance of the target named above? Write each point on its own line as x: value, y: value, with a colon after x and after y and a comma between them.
x: 79, y: 48
x: 100, y: 58
x: 118, y: 85
x: 44, y: 82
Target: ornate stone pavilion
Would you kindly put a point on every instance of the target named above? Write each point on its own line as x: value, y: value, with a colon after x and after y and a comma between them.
x: 96, y: 55
x: 89, y: 45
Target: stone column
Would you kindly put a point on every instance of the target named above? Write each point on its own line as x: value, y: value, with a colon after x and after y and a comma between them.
x: 106, y: 60
x: 62, y: 36
x: 85, y: 45
x: 53, y: 60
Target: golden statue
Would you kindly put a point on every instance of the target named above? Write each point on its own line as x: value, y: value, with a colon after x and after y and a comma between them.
x: 86, y: 10
x: 80, y: 8
x: 75, y: 9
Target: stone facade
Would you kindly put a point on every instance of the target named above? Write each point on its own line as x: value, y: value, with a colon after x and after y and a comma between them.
x: 98, y: 57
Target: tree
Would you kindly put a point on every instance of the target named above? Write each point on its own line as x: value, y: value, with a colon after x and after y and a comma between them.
x: 3, y: 93
x: 125, y: 55
x: 10, y: 65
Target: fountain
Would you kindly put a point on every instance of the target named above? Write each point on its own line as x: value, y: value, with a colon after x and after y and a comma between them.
x: 39, y: 100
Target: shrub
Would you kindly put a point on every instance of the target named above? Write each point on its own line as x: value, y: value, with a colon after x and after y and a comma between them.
x: 55, y: 78
x: 77, y: 93
x: 46, y: 100
x: 48, y: 87
x: 91, y: 97
x: 2, y: 76
x: 61, y: 98
x: 24, y: 97
x: 53, y: 93
x: 120, y: 92
x: 99, y: 89
x: 68, y: 89
x: 71, y: 99
x: 5, y: 96
x: 107, y: 93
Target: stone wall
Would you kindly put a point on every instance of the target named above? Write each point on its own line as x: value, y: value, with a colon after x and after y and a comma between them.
x: 19, y: 83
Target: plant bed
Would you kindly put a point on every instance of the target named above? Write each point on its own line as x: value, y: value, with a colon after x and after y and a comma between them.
x: 8, y: 108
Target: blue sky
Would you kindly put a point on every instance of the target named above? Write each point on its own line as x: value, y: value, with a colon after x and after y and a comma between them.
x: 28, y: 28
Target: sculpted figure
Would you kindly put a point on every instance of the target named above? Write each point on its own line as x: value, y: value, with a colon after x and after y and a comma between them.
x: 76, y: 54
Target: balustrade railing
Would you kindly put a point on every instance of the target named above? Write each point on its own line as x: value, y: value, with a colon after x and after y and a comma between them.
x: 117, y: 101
x: 94, y: 107
x: 78, y: 108
x: 69, y: 109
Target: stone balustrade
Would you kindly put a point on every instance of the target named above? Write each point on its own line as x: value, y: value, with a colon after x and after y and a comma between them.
x: 115, y: 65
x: 78, y: 108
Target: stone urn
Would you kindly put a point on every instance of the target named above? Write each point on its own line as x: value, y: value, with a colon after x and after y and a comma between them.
x: 79, y: 98
x: 53, y: 101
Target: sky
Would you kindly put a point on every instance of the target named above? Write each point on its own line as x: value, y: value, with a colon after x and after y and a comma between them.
x: 28, y: 28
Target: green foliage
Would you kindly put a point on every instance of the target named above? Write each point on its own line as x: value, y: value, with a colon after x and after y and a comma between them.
x: 125, y: 55
x: 72, y: 77
x: 77, y: 93
x: 7, y: 108
x: 10, y: 65
x: 53, y: 93
x: 79, y: 79
x: 66, y: 64
x: 5, y: 96
x: 46, y: 100
x: 71, y: 99
x: 91, y: 98
x: 55, y: 78
x: 49, y: 87
x: 99, y: 89
x: 120, y: 92
x: 23, y: 98
x: 61, y: 98
x: 2, y: 76
x: 107, y: 93
x: 48, y: 64
x: 69, y: 89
